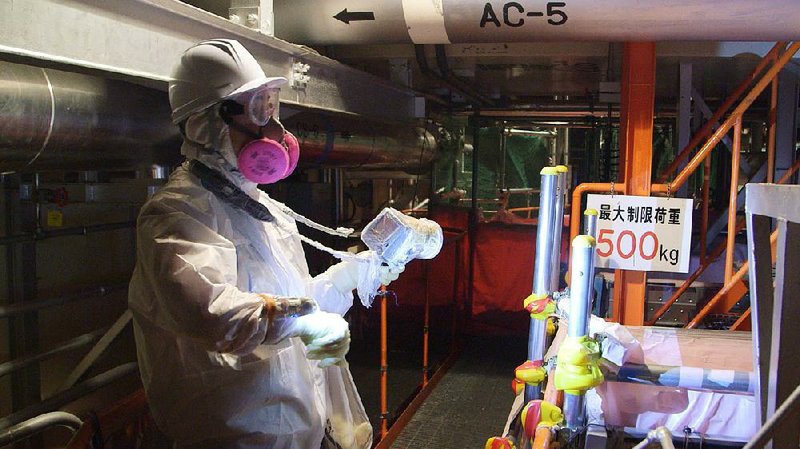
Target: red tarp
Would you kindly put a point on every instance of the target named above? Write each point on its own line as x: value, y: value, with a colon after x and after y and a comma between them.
x: 503, y: 272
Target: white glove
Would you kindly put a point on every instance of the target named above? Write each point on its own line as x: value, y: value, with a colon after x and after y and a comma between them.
x: 326, y: 336
x: 344, y: 275
x: 387, y: 274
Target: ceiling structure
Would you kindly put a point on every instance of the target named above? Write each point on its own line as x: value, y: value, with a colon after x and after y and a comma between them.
x: 535, y: 71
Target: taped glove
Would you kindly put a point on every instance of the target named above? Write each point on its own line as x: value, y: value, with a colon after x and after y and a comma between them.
x: 326, y: 336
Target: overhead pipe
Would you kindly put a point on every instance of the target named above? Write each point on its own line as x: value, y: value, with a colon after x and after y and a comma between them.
x: 56, y: 120
x: 51, y: 119
x: 466, y: 92
x: 448, y: 77
x: 343, y: 142
x: 475, y: 21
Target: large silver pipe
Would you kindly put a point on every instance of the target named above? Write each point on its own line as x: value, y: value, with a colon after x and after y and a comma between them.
x: 476, y: 21
x: 56, y: 120
x: 343, y: 142
x: 50, y: 119
x: 580, y: 300
x: 542, y: 267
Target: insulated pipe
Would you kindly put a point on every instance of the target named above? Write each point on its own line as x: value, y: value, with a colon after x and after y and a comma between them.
x: 54, y: 119
x: 542, y: 277
x: 583, y: 248
x: 339, y: 22
x: 348, y: 143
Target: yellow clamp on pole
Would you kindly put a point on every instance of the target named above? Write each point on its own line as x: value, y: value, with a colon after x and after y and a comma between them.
x: 500, y: 443
x: 551, y: 326
x: 577, y: 367
x: 517, y: 386
x: 538, y: 413
x: 531, y: 372
x: 539, y: 306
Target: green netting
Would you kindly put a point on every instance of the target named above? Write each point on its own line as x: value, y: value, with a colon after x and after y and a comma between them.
x: 525, y: 156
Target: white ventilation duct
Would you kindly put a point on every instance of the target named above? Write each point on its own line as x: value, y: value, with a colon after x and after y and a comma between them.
x: 470, y: 21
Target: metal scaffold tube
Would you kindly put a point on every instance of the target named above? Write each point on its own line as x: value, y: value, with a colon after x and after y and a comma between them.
x: 590, y: 222
x: 558, y: 225
x: 542, y: 277
x: 583, y: 248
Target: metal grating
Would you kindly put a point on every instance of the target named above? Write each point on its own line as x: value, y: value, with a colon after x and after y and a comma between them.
x: 471, y: 402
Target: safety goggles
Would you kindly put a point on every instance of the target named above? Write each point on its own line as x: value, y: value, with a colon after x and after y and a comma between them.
x: 262, y: 105
x: 259, y: 105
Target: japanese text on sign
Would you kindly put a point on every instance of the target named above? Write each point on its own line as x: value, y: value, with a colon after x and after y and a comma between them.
x: 642, y: 233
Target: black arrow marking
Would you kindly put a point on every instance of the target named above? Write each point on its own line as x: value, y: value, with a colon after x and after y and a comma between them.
x: 346, y: 17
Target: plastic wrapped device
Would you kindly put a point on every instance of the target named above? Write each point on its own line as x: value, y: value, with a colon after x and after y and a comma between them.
x: 398, y: 238
x: 394, y: 239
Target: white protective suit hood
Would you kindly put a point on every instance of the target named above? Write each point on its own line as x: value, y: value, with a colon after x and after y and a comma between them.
x: 199, y: 321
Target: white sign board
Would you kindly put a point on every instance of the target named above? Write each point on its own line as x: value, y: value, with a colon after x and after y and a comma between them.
x: 642, y: 233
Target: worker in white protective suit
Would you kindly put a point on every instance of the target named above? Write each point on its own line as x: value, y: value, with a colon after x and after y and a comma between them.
x: 222, y: 364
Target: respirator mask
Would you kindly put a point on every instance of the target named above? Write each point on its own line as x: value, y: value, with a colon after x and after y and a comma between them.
x: 273, y: 153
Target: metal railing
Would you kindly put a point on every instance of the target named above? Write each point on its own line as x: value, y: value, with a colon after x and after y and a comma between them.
x: 38, y: 424
x: 706, y: 262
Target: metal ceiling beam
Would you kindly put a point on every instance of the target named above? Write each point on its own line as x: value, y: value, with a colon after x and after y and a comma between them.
x: 140, y: 41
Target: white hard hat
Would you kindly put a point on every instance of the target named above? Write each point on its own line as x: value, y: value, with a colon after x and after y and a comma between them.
x: 211, y: 71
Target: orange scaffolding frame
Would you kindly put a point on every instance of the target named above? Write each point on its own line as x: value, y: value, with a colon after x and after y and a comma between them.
x: 779, y: 56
